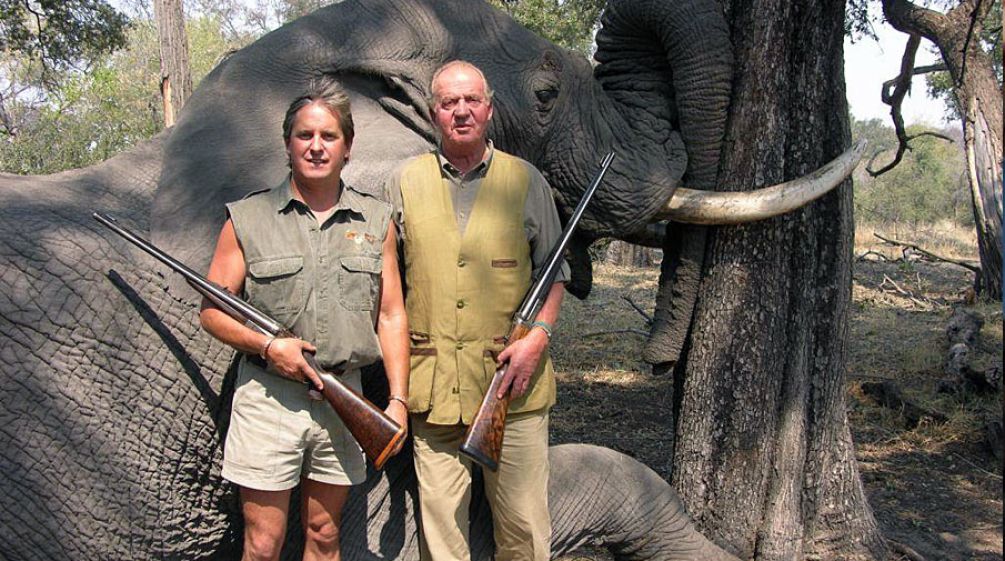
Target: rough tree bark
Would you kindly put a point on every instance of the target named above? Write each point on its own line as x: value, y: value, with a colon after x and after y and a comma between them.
x: 979, y: 97
x: 763, y: 456
x: 176, y: 79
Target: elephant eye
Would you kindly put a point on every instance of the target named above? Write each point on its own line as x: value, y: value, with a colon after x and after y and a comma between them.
x: 546, y: 96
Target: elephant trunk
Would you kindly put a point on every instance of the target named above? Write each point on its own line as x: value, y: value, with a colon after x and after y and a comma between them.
x: 602, y: 497
x: 668, y: 66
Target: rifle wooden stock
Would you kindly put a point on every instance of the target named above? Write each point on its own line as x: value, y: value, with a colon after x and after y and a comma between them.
x: 483, y: 440
x: 376, y: 433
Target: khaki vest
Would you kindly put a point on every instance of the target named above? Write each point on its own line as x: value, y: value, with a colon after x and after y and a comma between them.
x: 463, y: 291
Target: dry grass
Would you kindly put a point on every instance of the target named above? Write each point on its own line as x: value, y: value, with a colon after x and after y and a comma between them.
x: 934, y: 487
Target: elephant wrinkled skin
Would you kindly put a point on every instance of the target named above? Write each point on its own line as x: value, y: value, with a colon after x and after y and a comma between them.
x: 114, y: 405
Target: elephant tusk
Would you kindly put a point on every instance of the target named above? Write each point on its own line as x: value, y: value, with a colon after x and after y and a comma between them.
x: 725, y: 208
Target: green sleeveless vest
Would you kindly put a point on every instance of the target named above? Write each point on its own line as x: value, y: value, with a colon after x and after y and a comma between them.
x: 463, y: 291
x: 322, y: 282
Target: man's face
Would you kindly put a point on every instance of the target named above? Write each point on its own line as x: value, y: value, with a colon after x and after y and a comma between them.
x: 461, y: 111
x: 316, y: 147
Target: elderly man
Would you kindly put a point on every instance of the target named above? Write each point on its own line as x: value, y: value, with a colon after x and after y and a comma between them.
x: 476, y: 223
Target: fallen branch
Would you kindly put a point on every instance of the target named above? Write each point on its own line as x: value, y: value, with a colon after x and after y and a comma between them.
x: 977, y: 467
x: 647, y: 317
x: 617, y: 332
x: 924, y: 303
x: 962, y: 334
x: 879, y: 256
x: 887, y: 394
x: 933, y: 256
x: 905, y: 550
x: 896, y: 287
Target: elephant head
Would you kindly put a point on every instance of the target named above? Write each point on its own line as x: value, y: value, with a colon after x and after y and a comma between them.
x: 114, y: 404
x: 660, y: 81
x: 658, y: 97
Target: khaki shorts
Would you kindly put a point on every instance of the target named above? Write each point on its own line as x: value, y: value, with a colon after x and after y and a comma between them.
x: 279, y: 435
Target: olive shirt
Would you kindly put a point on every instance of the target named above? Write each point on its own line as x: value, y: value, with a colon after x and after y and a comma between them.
x: 540, y: 218
x: 322, y: 281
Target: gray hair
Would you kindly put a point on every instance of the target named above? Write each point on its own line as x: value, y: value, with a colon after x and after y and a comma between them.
x: 329, y: 94
x: 431, y: 101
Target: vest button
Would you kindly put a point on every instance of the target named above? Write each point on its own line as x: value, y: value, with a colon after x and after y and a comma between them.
x: 460, y: 303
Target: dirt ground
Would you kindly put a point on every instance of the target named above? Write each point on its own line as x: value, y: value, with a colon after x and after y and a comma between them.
x: 935, y: 488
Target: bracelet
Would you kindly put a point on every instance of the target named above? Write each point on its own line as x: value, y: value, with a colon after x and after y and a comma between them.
x: 398, y: 398
x: 265, y: 348
x: 548, y: 329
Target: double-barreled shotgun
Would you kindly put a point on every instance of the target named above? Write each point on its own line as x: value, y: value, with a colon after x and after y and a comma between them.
x: 375, y: 432
x: 483, y: 441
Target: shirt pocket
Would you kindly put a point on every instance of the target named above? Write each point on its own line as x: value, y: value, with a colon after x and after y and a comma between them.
x: 359, y: 282
x: 276, y: 286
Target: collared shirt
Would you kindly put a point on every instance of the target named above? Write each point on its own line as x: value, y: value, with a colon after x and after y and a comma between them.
x: 321, y: 280
x: 541, y: 222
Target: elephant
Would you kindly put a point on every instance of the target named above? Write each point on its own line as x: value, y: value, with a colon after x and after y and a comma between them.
x: 115, y: 405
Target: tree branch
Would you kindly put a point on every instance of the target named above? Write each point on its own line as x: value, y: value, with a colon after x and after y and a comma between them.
x: 901, y: 86
x: 912, y: 19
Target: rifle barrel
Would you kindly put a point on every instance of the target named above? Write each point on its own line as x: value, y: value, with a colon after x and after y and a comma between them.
x: 538, y: 292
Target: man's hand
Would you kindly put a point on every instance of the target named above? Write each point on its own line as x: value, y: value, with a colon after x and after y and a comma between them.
x: 287, y: 355
x: 523, y: 357
x: 397, y: 411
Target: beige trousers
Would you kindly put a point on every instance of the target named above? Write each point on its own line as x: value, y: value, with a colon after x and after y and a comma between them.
x: 517, y: 493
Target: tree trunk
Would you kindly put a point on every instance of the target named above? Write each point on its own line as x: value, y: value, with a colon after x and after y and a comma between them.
x: 984, y: 153
x: 630, y: 255
x: 979, y: 96
x: 176, y: 79
x: 763, y: 456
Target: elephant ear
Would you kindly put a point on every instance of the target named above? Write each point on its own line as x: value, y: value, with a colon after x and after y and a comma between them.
x: 228, y: 142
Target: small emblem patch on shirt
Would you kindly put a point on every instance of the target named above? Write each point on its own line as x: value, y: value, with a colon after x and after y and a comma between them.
x: 360, y: 237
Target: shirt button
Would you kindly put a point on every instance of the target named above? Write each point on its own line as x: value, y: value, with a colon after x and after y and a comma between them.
x: 460, y: 303
x: 461, y: 263
x: 460, y: 346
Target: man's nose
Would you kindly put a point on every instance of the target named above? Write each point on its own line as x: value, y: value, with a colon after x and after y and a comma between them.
x: 462, y: 107
x: 315, y: 143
